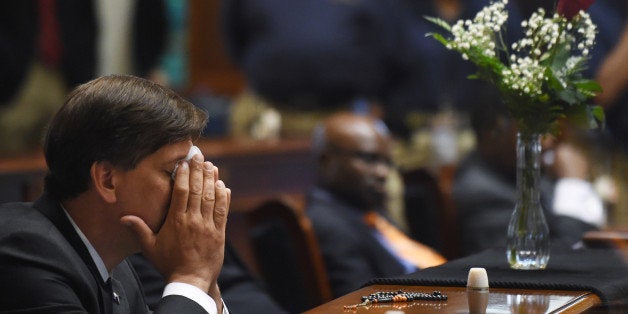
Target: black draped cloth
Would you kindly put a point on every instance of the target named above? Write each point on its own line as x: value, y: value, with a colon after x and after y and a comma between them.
x: 601, y: 271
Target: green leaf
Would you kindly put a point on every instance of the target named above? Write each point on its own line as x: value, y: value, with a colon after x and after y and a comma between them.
x: 553, y: 82
x: 579, y: 115
x: 580, y: 66
x: 585, y: 115
x: 569, y: 96
x: 561, y: 54
x: 588, y: 86
x: 438, y: 37
x: 597, y: 113
x: 440, y: 22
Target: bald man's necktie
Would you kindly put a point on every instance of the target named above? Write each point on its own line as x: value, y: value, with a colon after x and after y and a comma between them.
x: 411, y: 251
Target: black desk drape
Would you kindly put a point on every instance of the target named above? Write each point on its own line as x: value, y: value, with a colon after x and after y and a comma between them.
x: 601, y: 271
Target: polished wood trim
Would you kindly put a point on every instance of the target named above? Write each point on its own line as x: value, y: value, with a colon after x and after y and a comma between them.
x: 614, y: 238
x: 253, y: 169
x: 211, y: 148
x: 582, y: 303
x: 229, y: 146
x: 27, y: 162
x: 500, y: 300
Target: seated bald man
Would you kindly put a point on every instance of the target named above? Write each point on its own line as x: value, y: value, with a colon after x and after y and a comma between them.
x: 346, y: 207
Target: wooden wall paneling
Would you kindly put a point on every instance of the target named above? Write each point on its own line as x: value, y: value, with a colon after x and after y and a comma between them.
x: 209, y: 65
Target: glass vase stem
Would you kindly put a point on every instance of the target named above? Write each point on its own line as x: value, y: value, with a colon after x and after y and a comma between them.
x: 528, y: 243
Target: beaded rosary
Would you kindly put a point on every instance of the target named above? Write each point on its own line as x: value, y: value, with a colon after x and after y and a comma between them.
x: 397, y: 296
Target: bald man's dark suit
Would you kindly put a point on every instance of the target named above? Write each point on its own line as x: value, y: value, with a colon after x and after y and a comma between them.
x: 46, y: 268
x: 351, y: 252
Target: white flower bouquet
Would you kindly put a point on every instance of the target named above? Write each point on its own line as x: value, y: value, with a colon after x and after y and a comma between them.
x: 540, y: 76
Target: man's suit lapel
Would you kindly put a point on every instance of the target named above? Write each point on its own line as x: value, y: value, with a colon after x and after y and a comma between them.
x: 120, y: 302
x: 127, y: 287
x: 384, y: 261
x: 52, y: 210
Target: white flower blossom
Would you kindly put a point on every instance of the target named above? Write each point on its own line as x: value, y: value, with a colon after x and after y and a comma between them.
x: 529, y: 69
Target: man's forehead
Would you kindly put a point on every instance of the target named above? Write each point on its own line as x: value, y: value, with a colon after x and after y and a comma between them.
x: 363, y: 141
x: 173, y: 152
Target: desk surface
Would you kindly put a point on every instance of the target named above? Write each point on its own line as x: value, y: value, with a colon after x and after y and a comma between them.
x: 500, y: 300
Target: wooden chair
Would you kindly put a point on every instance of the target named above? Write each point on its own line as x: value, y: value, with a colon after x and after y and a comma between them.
x: 429, y: 210
x: 287, y: 254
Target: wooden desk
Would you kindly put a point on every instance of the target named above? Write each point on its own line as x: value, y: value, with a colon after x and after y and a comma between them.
x: 499, y: 301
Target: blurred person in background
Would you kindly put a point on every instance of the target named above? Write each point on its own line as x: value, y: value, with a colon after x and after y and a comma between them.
x: 347, y: 205
x: 307, y: 59
x: 484, y: 186
x: 613, y: 77
x: 433, y: 80
x: 49, y: 46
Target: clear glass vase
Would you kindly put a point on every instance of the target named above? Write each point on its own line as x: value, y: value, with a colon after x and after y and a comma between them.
x: 528, y: 242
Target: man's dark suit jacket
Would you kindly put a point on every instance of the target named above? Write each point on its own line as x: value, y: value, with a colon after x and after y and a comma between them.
x: 46, y: 268
x: 351, y: 253
x: 241, y: 292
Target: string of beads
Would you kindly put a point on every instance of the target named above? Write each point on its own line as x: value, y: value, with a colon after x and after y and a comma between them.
x: 398, y: 296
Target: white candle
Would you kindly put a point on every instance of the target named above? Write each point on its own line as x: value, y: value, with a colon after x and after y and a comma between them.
x: 477, y: 279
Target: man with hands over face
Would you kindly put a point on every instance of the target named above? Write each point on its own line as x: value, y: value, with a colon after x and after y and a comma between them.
x: 111, y: 151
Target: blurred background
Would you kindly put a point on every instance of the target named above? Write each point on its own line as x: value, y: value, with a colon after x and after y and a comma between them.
x: 267, y: 71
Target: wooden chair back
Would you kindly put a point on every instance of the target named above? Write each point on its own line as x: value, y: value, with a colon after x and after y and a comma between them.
x: 287, y: 254
x: 429, y: 210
